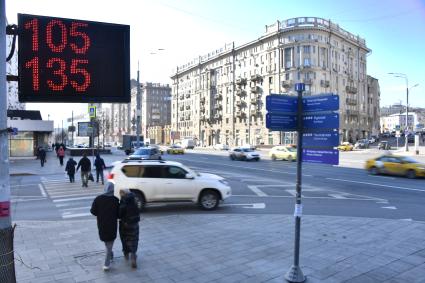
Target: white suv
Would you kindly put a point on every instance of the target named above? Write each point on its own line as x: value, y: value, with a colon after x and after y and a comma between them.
x: 168, y: 181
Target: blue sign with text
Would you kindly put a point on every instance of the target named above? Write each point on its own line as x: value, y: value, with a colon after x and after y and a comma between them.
x: 281, y: 103
x: 281, y: 122
x: 321, y: 121
x: 321, y: 103
x: 299, y: 87
x: 320, y: 139
x: 321, y: 156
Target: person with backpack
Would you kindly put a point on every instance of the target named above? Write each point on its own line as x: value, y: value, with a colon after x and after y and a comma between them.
x: 70, y: 169
x: 129, y: 216
x: 85, y: 165
x: 99, y: 164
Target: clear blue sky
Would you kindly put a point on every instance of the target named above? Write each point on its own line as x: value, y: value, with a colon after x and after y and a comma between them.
x: 394, y: 30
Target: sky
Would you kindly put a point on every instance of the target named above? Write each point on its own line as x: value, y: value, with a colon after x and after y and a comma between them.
x: 167, y: 33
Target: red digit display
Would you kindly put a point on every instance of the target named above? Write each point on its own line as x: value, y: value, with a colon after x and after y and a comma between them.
x: 65, y: 60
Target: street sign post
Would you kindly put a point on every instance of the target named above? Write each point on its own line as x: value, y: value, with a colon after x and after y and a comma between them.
x: 281, y: 103
x: 320, y: 139
x: 321, y: 121
x: 92, y: 111
x: 281, y: 122
x: 322, y: 156
x: 321, y: 103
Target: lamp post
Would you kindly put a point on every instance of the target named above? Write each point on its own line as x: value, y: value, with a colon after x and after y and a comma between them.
x: 404, y: 76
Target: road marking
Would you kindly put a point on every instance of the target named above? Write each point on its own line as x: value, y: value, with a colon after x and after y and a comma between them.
x: 337, y: 196
x: 389, y: 207
x: 90, y: 195
x: 306, y: 197
x: 72, y: 199
x: 257, y: 191
x: 375, y: 184
x: 27, y: 199
x: 75, y: 208
x: 247, y: 205
x: 42, y: 191
x: 67, y: 216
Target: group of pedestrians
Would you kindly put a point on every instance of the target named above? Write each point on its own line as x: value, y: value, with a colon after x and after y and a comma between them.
x: 108, y: 210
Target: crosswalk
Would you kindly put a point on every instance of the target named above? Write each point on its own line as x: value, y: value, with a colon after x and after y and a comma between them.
x: 71, y: 199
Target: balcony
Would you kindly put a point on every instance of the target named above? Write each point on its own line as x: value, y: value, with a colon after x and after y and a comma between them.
x: 218, y: 107
x: 324, y: 83
x: 181, y: 119
x: 240, y: 103
x: 181, y: 108
x: 254, y: 101
x: 351, y: 101
x: 287, y: 83
x: 241, y: 92
x: 202, y: 100
x: 187, y: 95
x: 187, y: 117
x: 240, y: 114
x: 255, y: 89
x: 181, y: 97
x: 350, y: 89
x: 187, y: 107
x: 202, y: 109
x: 241, y: 81
x: 217, y: 116
x: 203, y: 118
x: 256, y: 78
x: 352, y: 112
x: 307, y: 81
x: 218, y: 97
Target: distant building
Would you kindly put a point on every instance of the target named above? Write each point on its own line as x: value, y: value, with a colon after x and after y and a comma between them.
x: 12, y: 87
x: 398, y: 122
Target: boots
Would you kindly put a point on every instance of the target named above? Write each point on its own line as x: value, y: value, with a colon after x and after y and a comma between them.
x: 133, y: 259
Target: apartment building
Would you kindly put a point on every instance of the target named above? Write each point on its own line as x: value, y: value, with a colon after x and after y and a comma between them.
x: 220, y: 97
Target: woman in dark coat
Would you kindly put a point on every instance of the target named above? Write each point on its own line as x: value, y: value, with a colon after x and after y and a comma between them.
x: 106, y: 207
x: 70, y: 169
x: 129, y: 226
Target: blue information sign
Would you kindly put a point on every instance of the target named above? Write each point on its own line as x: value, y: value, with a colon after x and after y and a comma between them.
x: 281, y: 103
x: 320, y: 139
x: 299, y: 87
x: 281, y: 122
x: 322, y: 156
x: 321, y: 103
x: 321, y: 121
x: 14, y: 131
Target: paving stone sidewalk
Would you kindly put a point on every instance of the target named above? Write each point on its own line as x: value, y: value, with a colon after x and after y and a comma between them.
x: 227, y: 248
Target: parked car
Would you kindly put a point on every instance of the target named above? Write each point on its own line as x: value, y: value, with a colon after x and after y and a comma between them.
x: 168, y: 181
x: 386, y: 135
x: 384, y: 145
x: 188, y: 143
x: 395, y: 165
x: 244, y: 153
x: 373, y: 139
x: 221, y: 146
x: 145, y: 153
x: 363, y: 143
x: 175, y: 149
x: 410, y: 138
x: 345, y: 146
x: 283, y: 152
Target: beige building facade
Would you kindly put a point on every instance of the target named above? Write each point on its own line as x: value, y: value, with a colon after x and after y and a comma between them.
x: 220, y: 97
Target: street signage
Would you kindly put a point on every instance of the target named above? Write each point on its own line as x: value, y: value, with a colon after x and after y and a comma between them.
x: 69, y: 60
x: 321, y: 121
x: 281, y: 122
x: 14, y: 131
x: 299, y: 87
x: 321, y: 103
x: 92, y: 111
x: 320, y: 139
x: 281, y: 103
x: 322, y: 156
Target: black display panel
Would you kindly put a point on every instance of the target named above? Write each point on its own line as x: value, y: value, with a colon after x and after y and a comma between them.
x: 66, y: 60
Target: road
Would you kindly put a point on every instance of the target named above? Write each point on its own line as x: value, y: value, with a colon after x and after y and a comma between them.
x: 264, y: 187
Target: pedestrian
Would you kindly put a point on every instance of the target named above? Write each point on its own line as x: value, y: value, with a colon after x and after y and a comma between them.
x: 70, y: 169
x: 99, y: 164
x: 106, y: 208
x: 85, y: 165
x: 61, y: 154
x: 129, y: 226
x: 42, y: 155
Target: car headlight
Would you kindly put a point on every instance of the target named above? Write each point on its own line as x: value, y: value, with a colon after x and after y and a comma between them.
x: 224, y: 182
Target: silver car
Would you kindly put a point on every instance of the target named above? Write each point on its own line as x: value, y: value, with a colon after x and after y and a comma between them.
x: 145, y: 153
x: 244, y: 153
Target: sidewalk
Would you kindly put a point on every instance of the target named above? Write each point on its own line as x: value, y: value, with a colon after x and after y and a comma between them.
x: 227, y: 248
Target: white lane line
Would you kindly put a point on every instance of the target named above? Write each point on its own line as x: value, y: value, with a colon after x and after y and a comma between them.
x: 65, y: 210
x: 306, y: 197
x: 74, y: 195
x: 66, y: 216
x: 389, y: 207
x: 337, y: 196
x: 43, y: 192
x: 375, y: 184
x: 247, y: 205
x: 72, y: 199
x: 257, y: 191
x: 27, y: 199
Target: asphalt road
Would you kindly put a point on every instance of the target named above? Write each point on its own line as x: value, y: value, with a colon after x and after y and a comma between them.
x: 264, y: 187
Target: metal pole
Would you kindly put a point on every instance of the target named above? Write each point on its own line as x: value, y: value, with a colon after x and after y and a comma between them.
x: 62, y: 132
x: 295, y: 274
x: 406, y: 140
x: 7, y: 264
x: 138, y: 108
x: 72, y: 123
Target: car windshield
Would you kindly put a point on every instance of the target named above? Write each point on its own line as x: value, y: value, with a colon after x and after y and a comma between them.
x: 142, y: 151
x: 291, y: 149
x: 247, y: 150
x: 409, y: 160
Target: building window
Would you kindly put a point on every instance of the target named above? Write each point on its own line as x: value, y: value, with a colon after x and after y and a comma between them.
x: 306, y: 48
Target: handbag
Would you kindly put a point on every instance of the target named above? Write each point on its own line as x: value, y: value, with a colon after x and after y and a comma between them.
x: 91, y: 178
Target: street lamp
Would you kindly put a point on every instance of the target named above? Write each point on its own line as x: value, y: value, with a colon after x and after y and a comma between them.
x: 404, y: 76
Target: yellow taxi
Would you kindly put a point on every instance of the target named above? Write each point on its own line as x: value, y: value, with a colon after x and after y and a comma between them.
x: 283, y: 152
x: 175, y: 149
x: 345, y: 146
x: 396, y: 165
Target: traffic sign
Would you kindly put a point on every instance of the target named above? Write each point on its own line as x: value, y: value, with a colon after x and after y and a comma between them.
x: 14, y: 131
x: 299, y: 87
x: 281, y: 122
x: 320, y: 139
x: 281, y: 103
x: 92, y: 111
x: 321, y: 121
x: 321, y: 103
x: 322, y: 156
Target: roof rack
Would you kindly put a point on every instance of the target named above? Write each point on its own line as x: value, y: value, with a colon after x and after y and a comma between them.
x: 143, y: 160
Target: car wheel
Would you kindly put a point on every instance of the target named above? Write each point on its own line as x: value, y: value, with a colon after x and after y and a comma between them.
x: 232, y: 157
x: 127, y: 152
x: 209, y: 200
x: 289, y: 158
x: 374, y: 171
x: 257, y: 159
x: 411, y: 174
x: 273, y: 157
x: 139, y: 199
